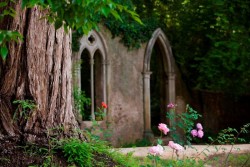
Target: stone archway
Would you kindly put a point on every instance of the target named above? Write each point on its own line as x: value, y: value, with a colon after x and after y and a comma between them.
x: 157, y: 37
x: 97, y: 59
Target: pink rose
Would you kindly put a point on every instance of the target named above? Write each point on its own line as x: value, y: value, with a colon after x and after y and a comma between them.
x: 171, y: 105
x: 200, y: 133
x: 199, y: 126
x: 156, y: 150
x: 178, y: 147
x: 171, y: 144
x: 163, y: 127
x: 194, y: 132
x: 175, y: 146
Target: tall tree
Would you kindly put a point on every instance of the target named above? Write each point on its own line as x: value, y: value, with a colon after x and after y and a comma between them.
x: 39, y: 68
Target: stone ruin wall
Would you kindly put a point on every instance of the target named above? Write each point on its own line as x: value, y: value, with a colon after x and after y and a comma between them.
x: 125, y: 90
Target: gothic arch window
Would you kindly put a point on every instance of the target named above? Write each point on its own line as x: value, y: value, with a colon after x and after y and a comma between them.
x: 85, y: 81
x: 92, y: 74
x: 158, y: 51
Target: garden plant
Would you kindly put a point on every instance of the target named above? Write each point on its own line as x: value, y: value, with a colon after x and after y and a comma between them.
x: 186, y: 123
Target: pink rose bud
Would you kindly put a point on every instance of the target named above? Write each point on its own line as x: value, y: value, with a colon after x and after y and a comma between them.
x: 200, y: 133
x: 171, y: 105
x: 163, y: 127
x: 199, y: 126
x: 194, y: 133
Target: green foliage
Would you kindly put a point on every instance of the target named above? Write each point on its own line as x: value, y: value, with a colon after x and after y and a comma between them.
x: 82, y: 16
x: 132, y: 33
x: 184, y: 121
x: 97, y: 132
x: 75, y: 41
x: 124, y: 160
x: 209, y: 39
x: 210, y: 42
x: 26, y: 106
x: 81, y: 101
x: 76, y: 14
x: 95, y: 152
x: 78, y: 152
x: 171, y: 163
x: 228, y: 57
x: 226, y: 136
x: 234, y: 160
x: 131, y: 28
x: 231, y: 135
x: 5, y: 35
x: 33, y: 150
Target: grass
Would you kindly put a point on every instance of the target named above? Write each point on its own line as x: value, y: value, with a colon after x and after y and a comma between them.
x: 233, y: 160
x: 103, y: 155
x: 145, y: 162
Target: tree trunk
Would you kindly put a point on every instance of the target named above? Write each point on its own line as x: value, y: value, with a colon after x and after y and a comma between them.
x: 38, y: 69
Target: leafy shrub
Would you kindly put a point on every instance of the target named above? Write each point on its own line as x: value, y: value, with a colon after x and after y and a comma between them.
x: 78, y: 152
x: 184, y: 121
x: 81, y: 102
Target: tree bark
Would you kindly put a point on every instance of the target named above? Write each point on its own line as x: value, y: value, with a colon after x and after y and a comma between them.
x: 38, y: 69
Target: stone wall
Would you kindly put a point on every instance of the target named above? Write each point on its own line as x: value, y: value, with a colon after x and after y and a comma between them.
x: 125, y: 90
x: 125, y: 98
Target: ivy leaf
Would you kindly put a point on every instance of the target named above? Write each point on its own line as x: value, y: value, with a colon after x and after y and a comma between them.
x: 116, y: 15
x: 105, y: 11
x: 4, y: 52
x: 137, y: 19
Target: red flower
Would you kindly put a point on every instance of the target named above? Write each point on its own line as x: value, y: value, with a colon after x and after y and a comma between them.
x: 104, y: 105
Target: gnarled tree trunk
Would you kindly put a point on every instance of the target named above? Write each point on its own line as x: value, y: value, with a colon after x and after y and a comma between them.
x: 38, y: 69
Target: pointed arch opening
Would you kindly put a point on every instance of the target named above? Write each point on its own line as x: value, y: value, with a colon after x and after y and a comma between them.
x: 158, y: 82
x: 92, y: 75
x: 85, y: 83
x: 98, y: 84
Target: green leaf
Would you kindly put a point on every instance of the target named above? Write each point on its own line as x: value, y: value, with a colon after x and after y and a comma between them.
x: 4, y: 52
x: 2, y: 36
x: 24, y: 3
x: 2, y: 4
x: 105, y: 11
x: 137, y: 19
x: 116, y: 15
x: 159, y: 141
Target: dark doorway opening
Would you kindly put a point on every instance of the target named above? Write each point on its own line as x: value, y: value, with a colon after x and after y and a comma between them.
x: 86, y: 82
x: 98, y: 85
x: 158, y: 89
